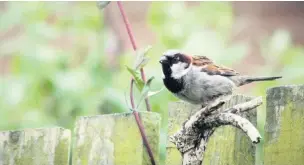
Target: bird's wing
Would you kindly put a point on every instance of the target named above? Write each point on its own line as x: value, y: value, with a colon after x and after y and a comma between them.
x: 210, y: 68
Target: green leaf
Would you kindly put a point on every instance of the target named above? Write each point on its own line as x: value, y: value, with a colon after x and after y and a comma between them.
x: 141, y: 58
x: 145, y: 90
x: 138, y: 81
x: 148, y: 83
x: 154, y: 92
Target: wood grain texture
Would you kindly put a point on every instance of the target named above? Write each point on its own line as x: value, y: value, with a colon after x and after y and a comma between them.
x: 114, y: 139
x: 49, y: 146
x: 284, y: 132
x: 227, y: 146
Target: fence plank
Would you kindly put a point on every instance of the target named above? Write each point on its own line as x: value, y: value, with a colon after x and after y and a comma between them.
x: 48, y: 146
x: 228, y: 145
x: 115, y: 139
x: 284, y: 132
x: 178, y: 114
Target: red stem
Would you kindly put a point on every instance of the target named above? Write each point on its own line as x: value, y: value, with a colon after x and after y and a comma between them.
x: 128, y: 27
x: 131, y: 94
x: 135, y: 113
x: 144, y: 137
x: 131, y: 36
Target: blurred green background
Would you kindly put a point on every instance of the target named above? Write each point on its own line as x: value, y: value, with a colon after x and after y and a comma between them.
x: 55, y: 65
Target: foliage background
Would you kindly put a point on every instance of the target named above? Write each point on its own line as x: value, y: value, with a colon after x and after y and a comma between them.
x: 57, y: 69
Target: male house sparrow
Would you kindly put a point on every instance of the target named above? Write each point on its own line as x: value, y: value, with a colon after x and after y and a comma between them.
x: 197, y: 80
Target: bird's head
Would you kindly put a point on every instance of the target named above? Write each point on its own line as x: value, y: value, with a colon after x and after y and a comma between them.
x: 175, y: 64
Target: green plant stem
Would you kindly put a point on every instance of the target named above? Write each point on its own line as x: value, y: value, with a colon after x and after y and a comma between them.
x: 135, y: 113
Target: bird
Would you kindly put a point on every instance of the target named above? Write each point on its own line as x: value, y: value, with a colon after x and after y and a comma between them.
x: 196, y: 79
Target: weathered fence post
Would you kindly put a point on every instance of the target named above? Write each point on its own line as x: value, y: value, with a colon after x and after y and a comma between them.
x: 227, y: 146
x: 114, y: 139
x: 284, y: 129
x: 178, y: 113
x: 49, y: 146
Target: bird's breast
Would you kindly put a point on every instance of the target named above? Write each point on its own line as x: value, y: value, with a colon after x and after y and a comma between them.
x: 173, y: 85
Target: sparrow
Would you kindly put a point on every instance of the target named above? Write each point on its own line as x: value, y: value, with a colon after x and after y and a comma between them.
x: 198, y: 80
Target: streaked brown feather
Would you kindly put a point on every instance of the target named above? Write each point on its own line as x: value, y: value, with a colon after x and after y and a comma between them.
x: 209, y: 67
x: 201, y: 60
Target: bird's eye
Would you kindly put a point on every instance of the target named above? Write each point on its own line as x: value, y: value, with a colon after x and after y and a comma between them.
x: 176, y: 59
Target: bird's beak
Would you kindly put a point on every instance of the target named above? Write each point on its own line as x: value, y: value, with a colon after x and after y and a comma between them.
x: 163, y: 59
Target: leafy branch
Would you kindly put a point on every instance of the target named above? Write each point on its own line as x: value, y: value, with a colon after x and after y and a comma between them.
x: 143, y: 87
x: 132, y: 40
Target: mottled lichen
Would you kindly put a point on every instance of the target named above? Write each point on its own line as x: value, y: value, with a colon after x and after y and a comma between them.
x: 151, y: 123
x: 127, y: 141
x: 178, y: 114
x: 62, y: 149
x: 31, y: 152
x: 115, y: 139
x: 174, y: 157
x: 227, y: 146
x: 35, y: 147
x: 284, y: 131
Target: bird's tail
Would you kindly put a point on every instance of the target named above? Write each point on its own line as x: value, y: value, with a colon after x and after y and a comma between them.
x: 242, y: 80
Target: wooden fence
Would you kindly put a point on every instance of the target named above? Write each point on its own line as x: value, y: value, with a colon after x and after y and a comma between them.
x: 115, y: 139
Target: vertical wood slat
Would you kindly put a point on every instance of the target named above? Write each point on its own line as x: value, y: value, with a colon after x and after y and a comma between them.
x: 114, y: 139
x: 284, y: 128
x: 227, y: 146
x: 48, y: 146
x: 178, y: 114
